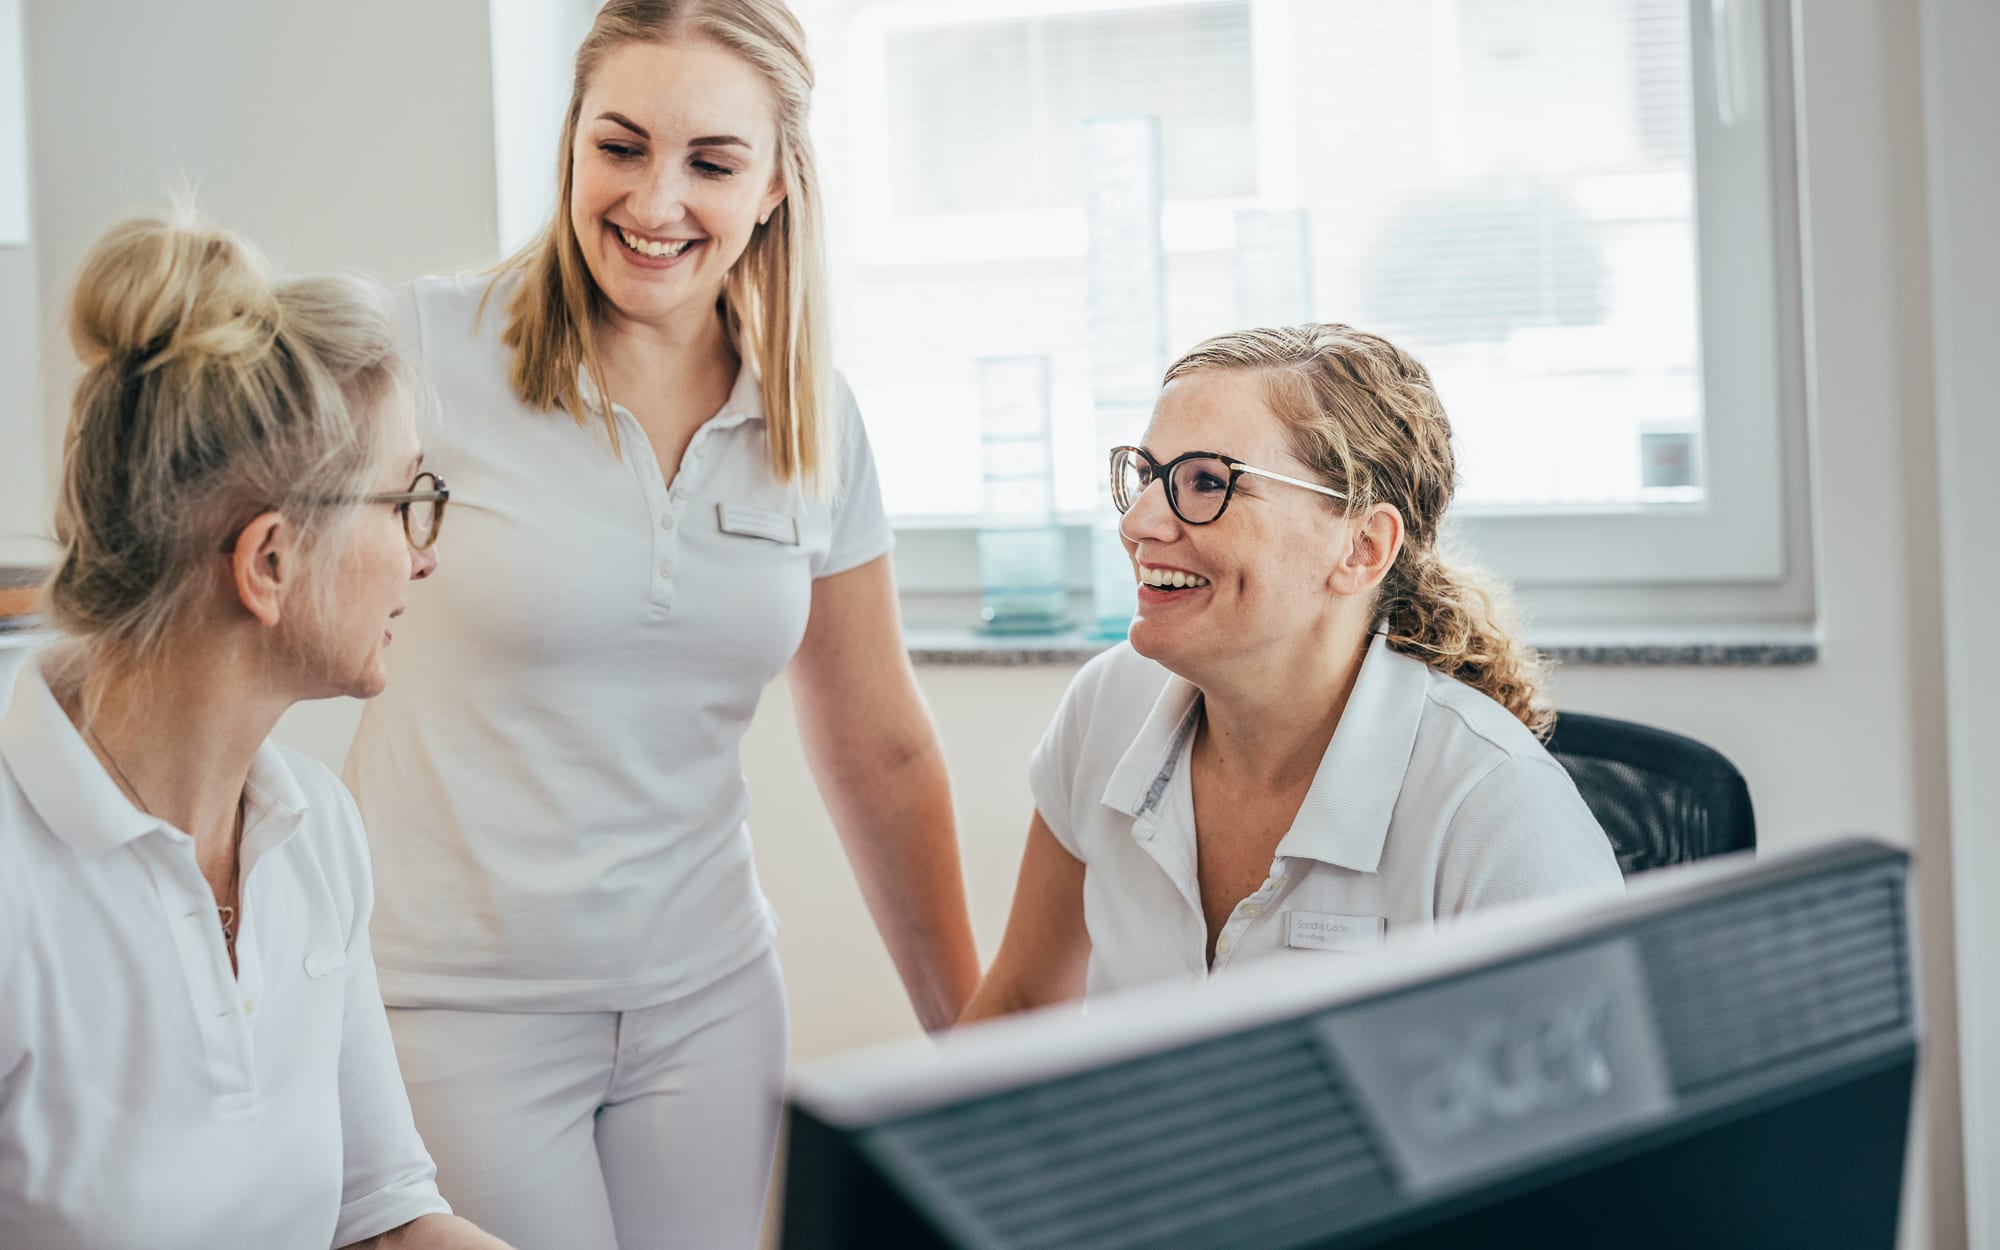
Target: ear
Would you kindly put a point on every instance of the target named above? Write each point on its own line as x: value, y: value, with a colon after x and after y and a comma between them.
x: 263, y: 564
x: 772, y: 198
x: 1374, y: 539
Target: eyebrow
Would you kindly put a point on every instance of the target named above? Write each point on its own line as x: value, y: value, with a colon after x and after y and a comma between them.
x: 628, y: 123
x: 705, y: 141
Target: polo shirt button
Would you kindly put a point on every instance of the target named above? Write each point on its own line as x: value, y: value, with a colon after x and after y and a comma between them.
x: 667, y: 569
x: 667, y: 521
x: 250, y: 1006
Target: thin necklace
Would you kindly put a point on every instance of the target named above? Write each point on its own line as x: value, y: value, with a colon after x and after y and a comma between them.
x: 224, y: 911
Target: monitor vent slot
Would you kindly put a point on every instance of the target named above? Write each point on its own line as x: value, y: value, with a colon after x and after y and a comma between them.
x: 1250, y: 1141
x: 1779, y: 976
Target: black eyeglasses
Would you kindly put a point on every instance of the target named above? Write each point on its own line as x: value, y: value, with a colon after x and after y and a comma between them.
x: 1199, y: 484
x: 421, y: 506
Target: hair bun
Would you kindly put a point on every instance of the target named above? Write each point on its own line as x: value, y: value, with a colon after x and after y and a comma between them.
x: 154, y: 291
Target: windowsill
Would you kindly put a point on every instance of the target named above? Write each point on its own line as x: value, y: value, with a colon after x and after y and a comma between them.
x: 1705, y: 648
x: 969, y: 648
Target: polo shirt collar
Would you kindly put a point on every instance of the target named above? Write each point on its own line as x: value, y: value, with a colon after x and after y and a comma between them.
x: 66, y: 785
x: 745, y: 402
x: 60, y: 775
x: 1147, y: 765
x: 1344, y: 819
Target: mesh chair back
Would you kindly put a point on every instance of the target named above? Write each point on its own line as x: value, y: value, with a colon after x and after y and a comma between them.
x: 1663, y: 799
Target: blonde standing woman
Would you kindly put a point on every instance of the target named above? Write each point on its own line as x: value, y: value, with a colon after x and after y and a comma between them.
x: 1320, y: 730
x: 663, y: 498
x: 193, y: 1051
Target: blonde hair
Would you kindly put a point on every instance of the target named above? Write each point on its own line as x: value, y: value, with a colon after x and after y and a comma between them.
x: 773, y: 301
x: 1363, y: 414
x: 210, y: 392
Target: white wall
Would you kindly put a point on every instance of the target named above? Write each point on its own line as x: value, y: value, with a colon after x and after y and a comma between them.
x: 355, y: 135
x: 360, y: 135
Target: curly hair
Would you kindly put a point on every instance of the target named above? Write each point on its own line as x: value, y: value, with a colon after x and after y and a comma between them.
x: 1363, y: 414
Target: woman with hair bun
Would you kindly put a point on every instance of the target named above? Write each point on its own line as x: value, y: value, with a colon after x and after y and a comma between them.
x: 666, y: 499
x: 193, y: 1051
x: 1321, y: 728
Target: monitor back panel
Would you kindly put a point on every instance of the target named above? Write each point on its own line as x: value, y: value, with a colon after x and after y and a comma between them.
x: 1734, y: 1072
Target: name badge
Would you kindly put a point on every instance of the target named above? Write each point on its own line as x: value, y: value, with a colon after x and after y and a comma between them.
x: 778, y: 527
x: 1324, y: 931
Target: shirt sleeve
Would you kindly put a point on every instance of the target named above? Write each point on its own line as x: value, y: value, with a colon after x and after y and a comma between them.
x: 387, y: 1177
x: 1522, y: 832
x: 860, y: 525
x: 1052, y: 767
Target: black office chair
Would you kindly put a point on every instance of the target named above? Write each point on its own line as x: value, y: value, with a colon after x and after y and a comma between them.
x: 1662, y: 798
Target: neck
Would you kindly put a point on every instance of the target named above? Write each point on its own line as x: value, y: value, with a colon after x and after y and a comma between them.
x: 181, y: 731
x: 677, y: 348
x: 1271, y: 722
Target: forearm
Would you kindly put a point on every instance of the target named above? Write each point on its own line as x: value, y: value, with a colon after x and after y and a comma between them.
x: 998, y: 995
x: 434, y: 1232
x: 895, y: 821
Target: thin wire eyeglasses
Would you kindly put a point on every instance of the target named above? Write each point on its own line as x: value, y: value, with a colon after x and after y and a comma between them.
x: 1204, y: 480
x: 421, y: 507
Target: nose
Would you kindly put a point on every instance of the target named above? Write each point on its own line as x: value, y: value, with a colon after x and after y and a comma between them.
x: 1149, y: 518
x: 423, y: 563
x: 660, y: 198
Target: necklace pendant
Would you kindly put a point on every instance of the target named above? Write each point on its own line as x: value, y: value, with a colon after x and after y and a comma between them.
x: 227, y: 915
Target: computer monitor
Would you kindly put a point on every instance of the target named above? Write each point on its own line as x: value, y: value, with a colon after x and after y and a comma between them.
x: 1721, y: 1057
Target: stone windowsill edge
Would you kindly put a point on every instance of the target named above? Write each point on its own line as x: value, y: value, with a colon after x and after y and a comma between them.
x: 965, y: 648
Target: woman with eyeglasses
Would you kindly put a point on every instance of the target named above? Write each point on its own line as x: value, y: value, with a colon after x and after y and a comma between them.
x: 664, y: 499
x: 193, y: 1051
x: 1321, y: 729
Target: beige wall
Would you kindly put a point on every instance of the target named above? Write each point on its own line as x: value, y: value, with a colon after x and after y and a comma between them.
x: 359, y: 135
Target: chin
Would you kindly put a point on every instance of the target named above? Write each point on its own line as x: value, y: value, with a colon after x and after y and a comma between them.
x: 1154, y: 642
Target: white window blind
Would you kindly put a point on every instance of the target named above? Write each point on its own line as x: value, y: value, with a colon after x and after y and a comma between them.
x: 1504, y: 186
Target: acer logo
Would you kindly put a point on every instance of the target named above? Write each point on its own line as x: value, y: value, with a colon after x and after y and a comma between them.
x: 1507, y: 1066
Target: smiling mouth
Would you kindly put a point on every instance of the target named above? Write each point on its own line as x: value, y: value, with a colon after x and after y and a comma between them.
x: 653, y: 249
x: 1167, y: 581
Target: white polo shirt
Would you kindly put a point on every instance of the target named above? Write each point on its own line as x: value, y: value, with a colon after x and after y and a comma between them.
x: 148, y: 1099
x: 552, y: 778
x: 1431, y: 800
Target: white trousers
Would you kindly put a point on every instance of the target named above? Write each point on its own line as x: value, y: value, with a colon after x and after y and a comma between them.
x: 634, y: 1130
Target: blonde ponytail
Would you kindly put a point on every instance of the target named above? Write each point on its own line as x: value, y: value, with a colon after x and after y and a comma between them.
x: 1458, y: 620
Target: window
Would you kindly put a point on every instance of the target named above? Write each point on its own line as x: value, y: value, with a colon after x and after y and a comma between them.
x: 1578, y: 213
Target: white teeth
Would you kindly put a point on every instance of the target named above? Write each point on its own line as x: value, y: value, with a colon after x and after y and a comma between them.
x: 1170, y: 578
x: 646, y: 247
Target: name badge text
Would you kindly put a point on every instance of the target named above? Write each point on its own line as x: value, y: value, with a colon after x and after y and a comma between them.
x: 777, y: 527
x: 1326, y: 931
